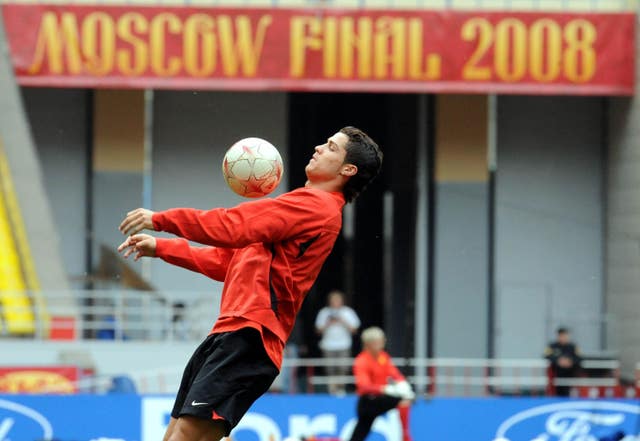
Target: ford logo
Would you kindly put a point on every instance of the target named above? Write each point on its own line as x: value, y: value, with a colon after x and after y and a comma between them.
x: 21, y: 423
x: 571, y: 421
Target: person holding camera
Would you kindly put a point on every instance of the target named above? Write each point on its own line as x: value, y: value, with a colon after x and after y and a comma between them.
x: 336, y: 323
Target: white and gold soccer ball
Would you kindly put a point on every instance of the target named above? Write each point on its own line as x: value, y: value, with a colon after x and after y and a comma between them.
x: 252, y: 167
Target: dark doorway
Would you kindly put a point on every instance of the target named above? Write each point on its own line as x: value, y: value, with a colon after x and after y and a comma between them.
x: 379, y: 288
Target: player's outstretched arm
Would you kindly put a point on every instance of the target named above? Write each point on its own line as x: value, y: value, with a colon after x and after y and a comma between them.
x: 209, y: 261
x: 142, y: 245
x: 137, y: 220
x: 266, y: 220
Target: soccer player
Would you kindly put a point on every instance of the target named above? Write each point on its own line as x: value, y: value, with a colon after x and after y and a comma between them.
x: 268, y: 253
x: 380, y: 385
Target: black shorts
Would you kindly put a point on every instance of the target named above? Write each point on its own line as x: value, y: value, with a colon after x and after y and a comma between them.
x: 224, y: 376
x: 372, y: 406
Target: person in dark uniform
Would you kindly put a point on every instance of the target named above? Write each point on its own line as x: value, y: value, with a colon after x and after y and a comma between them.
x: 565, y: 359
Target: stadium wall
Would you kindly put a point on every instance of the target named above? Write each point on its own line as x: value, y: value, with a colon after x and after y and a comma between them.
x: 549, y: 204
x: 461, y: 241
x: 622, y: 262
x: 59, y: 126
x: 118, y: 162
x: 191, y: 132
x: 549, y: 222
x: 142, y: 359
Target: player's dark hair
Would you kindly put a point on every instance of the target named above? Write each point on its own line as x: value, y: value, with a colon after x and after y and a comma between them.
x: 365, y: 154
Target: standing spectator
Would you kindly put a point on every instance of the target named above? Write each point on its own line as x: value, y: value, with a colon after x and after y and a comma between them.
x: 380, y: 385
x: 565, y: 359
x: 180, y: 327
x: 336, y: 323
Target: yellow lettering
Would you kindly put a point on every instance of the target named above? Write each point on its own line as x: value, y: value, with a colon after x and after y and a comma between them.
x: 416, y: 55
x: 244, y: 51
x: 330, y: 52
x: 580, y: 56
x: 545, y: 64
x: 55, y: 40
x: 98, y: 43
x: 199, y: 43
x: 389, y: 44
x: 132, y: 63
x: 361, y: 42
x: 479, y: 30
x: 510, y: 49
x: 161, y: 25
x: 305, y: 33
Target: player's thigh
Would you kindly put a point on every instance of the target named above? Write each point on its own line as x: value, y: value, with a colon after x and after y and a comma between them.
x: 373, y: 406
x: 170, y: 427
x: 189, y: 428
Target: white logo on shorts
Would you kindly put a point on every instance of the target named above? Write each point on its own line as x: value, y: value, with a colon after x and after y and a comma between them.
x: 195, y: 403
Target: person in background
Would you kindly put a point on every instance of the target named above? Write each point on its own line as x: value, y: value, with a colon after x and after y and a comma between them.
x: 336, y: 323
x: 180, y: 327
x: 565, y: 359
x: 380, y: 385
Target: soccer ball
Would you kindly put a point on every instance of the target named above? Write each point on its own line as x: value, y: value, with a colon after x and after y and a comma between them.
x: 252, y: 167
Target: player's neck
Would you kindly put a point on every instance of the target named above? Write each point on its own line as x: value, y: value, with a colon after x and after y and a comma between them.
x: 330, y: 186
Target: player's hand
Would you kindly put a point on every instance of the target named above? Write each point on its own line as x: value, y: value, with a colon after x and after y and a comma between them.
x: 142, y: 245
x: 391, y: 390
x: 401, y: 390
x: 136, y: 221
x: 405, y: 391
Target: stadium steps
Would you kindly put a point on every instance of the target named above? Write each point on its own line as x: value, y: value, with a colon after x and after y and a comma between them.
x: 17, y: 275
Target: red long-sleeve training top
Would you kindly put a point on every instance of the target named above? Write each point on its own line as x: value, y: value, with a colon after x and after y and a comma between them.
x: 373, y: 373
x: 268, y: 253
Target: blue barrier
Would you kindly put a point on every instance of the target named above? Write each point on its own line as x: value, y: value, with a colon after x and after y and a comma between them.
x: 69, y: 418
x: 274, y: 417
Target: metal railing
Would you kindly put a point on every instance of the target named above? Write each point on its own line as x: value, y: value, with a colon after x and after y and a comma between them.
x: 465, y: 376
x: 129, y: 315
x: 123, y: 315
x: 444, y: 377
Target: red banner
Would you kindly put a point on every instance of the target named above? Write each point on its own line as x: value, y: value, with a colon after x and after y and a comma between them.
x: 343, y: 50
x: 36, y: 380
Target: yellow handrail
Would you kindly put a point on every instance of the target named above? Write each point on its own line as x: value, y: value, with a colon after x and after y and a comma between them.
x: 17, y: 274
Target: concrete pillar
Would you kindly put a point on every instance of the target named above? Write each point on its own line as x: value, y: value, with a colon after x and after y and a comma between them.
x: 622, y: 261
x: 461, y: 244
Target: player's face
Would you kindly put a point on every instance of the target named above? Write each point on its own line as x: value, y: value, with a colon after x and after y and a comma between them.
x: 328, y: 160
x: 376, y: 345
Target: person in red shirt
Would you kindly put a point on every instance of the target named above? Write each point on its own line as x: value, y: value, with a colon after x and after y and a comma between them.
x: 380, y: 385
x: 268, y: 253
